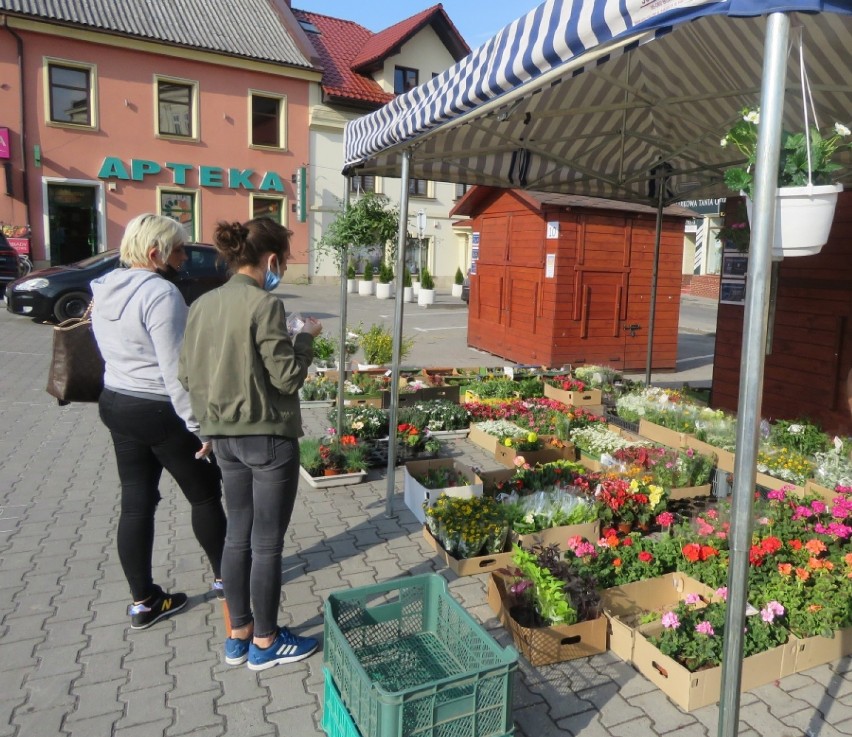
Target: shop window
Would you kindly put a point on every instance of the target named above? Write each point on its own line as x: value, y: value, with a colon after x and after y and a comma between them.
x: 404, y: 79
x: 269, y: 207
x: 363, y: 183
x: 180, y: 205
x: 267, y: 120
x: 176, y: 108
x: 71, y: 94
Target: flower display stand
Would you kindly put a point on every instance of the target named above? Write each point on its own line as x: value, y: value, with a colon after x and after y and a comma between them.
x: 325, y: 482
x: 416, y: 495
x: 545, y: 645
x: 803, y: 218
x: 468, y: 566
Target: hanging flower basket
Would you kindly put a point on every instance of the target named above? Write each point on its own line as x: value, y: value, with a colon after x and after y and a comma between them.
x: 803, y: 218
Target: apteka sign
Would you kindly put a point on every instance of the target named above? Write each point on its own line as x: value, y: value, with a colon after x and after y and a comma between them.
x: 208, y: 176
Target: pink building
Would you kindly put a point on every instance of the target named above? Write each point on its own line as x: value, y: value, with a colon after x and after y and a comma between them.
x: 115, y: 109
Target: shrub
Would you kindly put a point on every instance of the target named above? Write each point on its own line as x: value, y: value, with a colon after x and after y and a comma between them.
x: 377, y: 344
x: 324, y: 348
x: 426, y: 280
x: 459, y: 276
x: 385, y: 273
x: 368, y: 272
x: 350, y: 272
x: 406, y: 278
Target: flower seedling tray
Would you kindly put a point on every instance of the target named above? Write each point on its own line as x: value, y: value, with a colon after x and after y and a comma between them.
x: 467, y: 566
x: 416, y: 495
x: 572, y: 398
x: 545, y: 645
x: 409, y: 661
x: 325, y: 482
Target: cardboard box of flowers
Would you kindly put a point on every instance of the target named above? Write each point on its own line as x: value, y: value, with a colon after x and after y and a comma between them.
x: 425, y: 481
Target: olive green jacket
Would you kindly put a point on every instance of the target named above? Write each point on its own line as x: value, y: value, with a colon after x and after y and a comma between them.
x: 238, y: 363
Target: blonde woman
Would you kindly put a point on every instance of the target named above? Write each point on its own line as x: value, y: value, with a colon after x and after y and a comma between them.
x: 138, y: 320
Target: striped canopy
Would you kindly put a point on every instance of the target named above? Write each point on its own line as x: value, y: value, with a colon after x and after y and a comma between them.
x: 592, y: 96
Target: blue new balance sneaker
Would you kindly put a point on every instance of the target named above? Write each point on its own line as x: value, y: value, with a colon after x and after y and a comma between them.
x: 236, y: 651
x: 287, y: 648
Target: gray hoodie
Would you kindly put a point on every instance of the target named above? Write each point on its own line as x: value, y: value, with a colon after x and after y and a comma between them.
x: 139, y: 320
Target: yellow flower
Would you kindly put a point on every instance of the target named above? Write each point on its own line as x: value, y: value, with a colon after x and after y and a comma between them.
x: 531, y: 437
x: 508, y: 442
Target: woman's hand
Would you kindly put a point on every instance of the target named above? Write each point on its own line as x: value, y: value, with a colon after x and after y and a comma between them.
x: 206, y: 449
x: 312, y: 327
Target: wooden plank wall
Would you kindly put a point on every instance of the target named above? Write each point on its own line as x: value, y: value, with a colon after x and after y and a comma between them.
x: 805, y: 375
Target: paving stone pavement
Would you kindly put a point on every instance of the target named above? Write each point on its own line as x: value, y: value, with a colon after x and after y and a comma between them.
x: 70, y: 665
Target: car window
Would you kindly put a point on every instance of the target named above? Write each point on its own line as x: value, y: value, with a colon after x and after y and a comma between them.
x: 200, y: 262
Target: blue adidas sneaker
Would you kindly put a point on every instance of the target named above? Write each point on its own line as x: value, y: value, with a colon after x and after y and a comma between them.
x: 236, y: 651
x: 287, y: 648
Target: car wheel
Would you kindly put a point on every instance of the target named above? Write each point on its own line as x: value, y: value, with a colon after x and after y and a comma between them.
x: 70, y: 305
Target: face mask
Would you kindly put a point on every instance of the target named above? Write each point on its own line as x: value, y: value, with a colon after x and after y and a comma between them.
x: 271, y: 280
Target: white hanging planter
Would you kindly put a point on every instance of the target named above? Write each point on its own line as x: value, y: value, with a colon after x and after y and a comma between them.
x: 351, y: 286
x: 365, y: 288
x: 803, y: 218
x: 383, y: 291
x: 426, y: 297
x: 457, y: 290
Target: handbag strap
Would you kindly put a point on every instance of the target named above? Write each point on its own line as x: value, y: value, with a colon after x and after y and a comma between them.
x: 87, y: 315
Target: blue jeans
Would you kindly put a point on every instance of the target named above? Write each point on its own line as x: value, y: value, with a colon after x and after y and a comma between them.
x: 148, y: 436
x: 260, y: 474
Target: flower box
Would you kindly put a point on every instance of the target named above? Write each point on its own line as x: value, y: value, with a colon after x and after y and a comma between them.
x: 573, y: 398
x: 770, y: 482
x: 704, y: 687
x: 416, y: 495
x: 547, y: 454
x: 689, y: 492
x: 483, y: 439
x: 470, y: 396
x: 339, y: 479
x: 490, y: 479
x: 468, y: 566
x: 590, y: 462
x: 407, y: 399
x: 560, y: 535
x: 358, y: 400
x: 724, y: 458
x: 545, y: 645
x: 812, y: 488
x: 813, y: 651
x: 624, y: 605
x: 662, y: 435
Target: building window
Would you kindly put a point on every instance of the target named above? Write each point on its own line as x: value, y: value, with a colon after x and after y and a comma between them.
x: 180, y: 205
x: 461, y: 189
x: 269, y: 207
x: 267, y: 120
x: 176, y: 108
x: 363, y: 183
x: 404, y: 79
x: 418, y: 187
x: 71, y: 94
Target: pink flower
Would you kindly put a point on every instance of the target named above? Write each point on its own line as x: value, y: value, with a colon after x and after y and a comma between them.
x: 777, y: 494
x: 712, y: 514
x: 771, y: 610
x: 818, y: 507
x: 763, y: 520
x: 692, y: 598
x: 670, y: 621
x: 664, y: 519
x: 705, y: 628
x: 801, y: 512
x: 584, y: 548
x: 722, y: 593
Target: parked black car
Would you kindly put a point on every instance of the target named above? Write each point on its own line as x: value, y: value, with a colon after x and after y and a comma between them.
x: 61, y: 292
x: 8, y: 264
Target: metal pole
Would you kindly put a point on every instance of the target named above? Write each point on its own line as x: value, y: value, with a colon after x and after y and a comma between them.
x: 341, y: 358
x: 752, y: 363
x: 661, y: 186
x: 397, y: 332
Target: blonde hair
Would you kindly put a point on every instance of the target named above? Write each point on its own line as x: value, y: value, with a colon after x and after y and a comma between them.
x: 148, y: 230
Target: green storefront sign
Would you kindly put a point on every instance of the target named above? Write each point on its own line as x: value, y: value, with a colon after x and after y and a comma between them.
x: 208, y: 176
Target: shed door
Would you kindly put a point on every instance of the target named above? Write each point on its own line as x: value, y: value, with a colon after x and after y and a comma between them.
x: 599, y: 306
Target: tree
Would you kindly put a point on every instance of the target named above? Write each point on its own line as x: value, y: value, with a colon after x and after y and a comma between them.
x: 368, y: 221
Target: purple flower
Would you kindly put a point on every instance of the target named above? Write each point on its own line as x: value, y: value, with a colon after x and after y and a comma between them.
x: 705, y: 628
x: 722, y: 593
x: 670, y: 621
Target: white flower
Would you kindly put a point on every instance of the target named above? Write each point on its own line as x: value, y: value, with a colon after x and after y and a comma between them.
x: 529, y: 518
x: 796, y: 429
x: 753, y: 116
x: 724, y: 142
x: 838, y: 444
x: 841, y: 129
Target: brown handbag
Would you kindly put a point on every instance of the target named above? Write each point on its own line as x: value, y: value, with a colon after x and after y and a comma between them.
x: 77, y: 368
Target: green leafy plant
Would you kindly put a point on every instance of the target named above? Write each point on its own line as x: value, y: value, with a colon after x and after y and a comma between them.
x: 548, y: 594
x: 368, y: 221
x: 309, y: 456
x: 406, y: 278
x: 368, y: 272
x: 317, y: 388
x: 801, y: 435
x: 377, y: 344
x: 459, y: 277
x: 350, y: 272
x: 354, y: 457
x: 426, y: 280
x: 793, y: 163
x: 324, y: 349
x: 385, y: 273
x: 442, y: 478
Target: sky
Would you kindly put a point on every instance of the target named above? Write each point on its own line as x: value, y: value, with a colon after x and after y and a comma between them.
x: 476, y: 20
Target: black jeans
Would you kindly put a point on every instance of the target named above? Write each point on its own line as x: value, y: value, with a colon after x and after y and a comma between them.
x: 149, y: 436
x: 260, y: 474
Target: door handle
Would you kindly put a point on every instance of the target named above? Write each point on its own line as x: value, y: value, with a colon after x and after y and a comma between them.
x: 632, y: 328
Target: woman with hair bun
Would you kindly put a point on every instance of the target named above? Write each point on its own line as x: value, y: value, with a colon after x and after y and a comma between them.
x: 138, y: 320
x: 243, y: 372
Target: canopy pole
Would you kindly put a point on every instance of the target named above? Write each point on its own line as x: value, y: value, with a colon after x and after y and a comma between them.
x: 652, y: 313
x: 397, y: 330
x: 341, y: 357
x: 752, y: 363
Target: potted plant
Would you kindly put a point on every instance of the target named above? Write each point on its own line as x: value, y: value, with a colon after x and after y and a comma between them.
x: 807, y: 195
x: 458, y: 283
x: 377, y: 344
x: 324, y: 351
x: 426, y: 295
x: 365, y: 285
x: 407, y: 288
x: 351, y: 280
x: 384, y: 287
x: 330, y: 461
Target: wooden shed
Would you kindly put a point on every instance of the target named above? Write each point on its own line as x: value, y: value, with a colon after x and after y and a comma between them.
x: 563, y: 279
x: 810, y: 336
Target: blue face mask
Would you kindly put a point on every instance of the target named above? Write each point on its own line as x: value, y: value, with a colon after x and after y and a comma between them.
x: 271, y: 280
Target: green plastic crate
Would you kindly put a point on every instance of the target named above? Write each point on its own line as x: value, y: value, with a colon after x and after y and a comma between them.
x: 409, y: 661
x: 336, y: 719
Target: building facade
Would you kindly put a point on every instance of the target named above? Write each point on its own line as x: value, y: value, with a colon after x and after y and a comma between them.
x: 111, y: 113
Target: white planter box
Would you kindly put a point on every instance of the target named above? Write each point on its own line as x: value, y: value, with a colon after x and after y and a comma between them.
x: 351, y: 286
x: 383, y: 291
x: 408, y: 294
x: 457, y: 290
x: 340, y: 479
x: 365, y: 288
x: 426, y: 297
